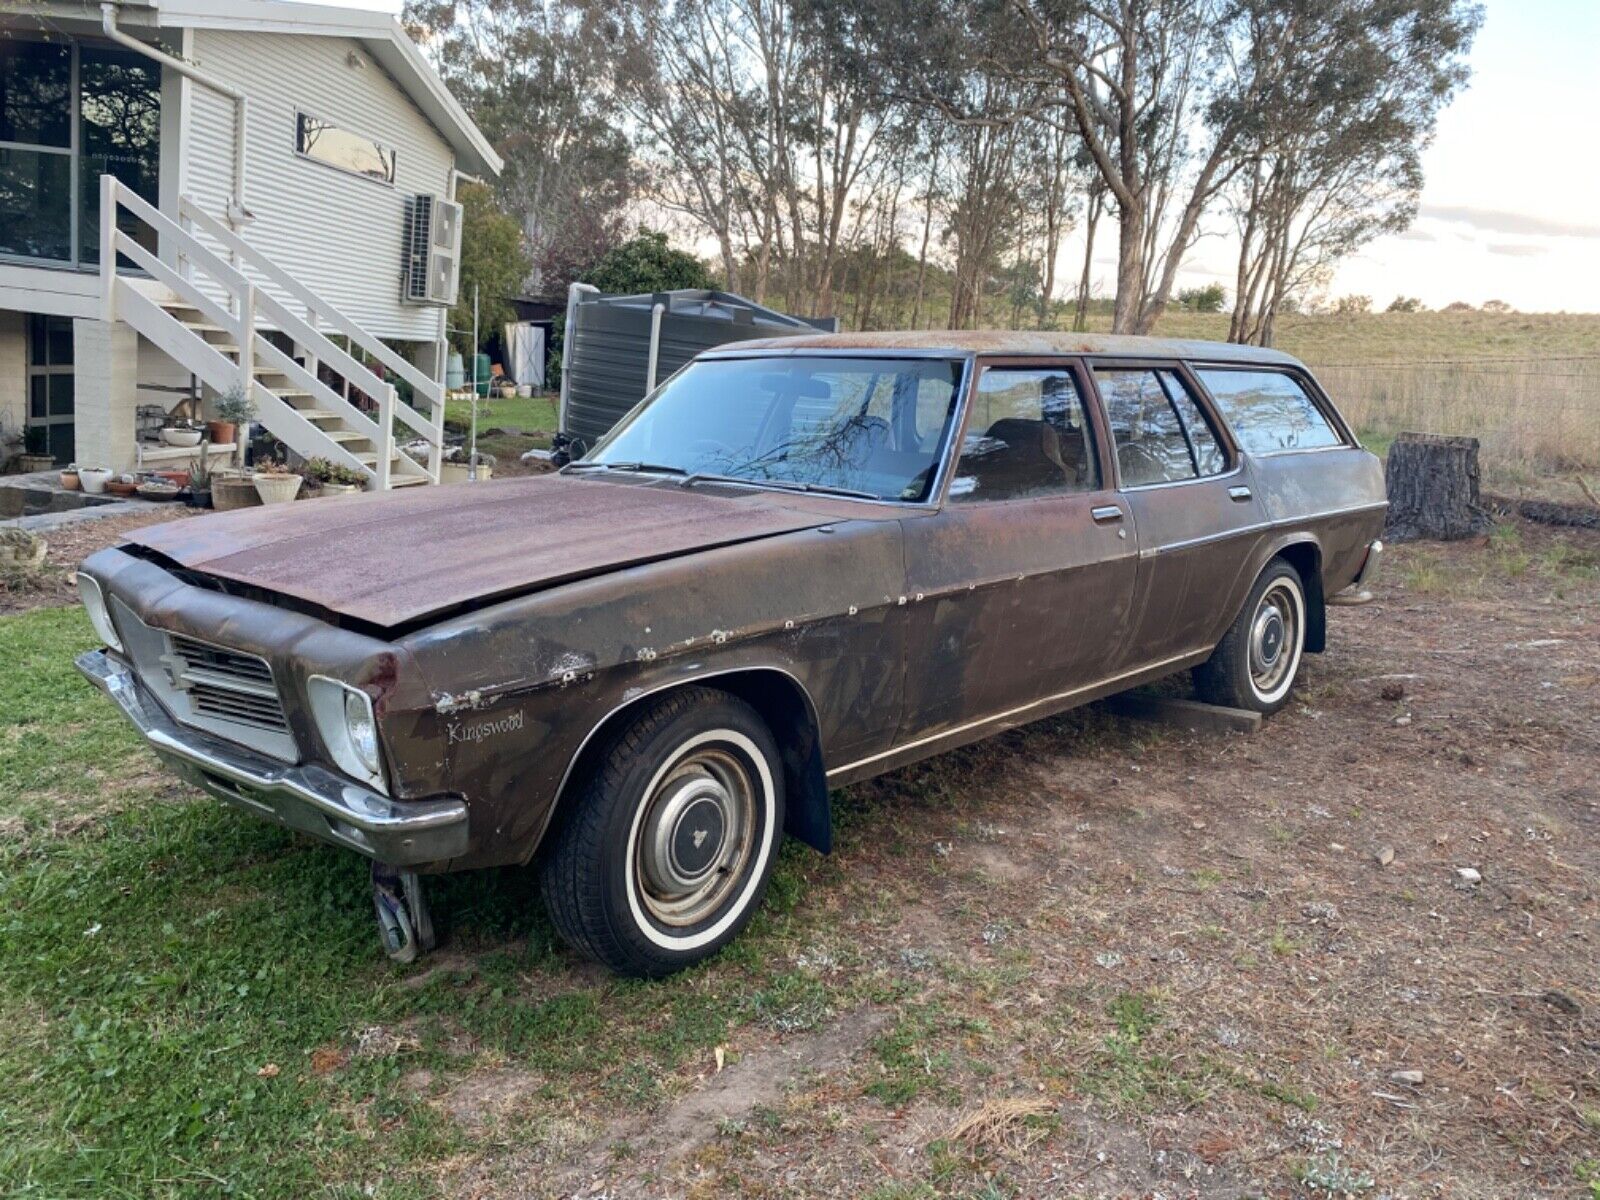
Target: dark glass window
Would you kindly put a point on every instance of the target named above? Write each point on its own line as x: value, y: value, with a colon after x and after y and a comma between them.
x: 1209, y: 458
x: 327, y: 143
x: 1026, y: 436
x: 1152, y: 446
x: 50, y: 387
x: 36, y: 204
x: 36, y: 93
x: 119, y: 134
x: 1268, y: 411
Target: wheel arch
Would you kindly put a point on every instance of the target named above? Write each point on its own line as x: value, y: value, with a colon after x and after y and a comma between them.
x: 1305, y: 556
x: 783, y: 703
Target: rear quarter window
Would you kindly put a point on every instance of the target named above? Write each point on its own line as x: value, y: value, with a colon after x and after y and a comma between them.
x: 1268, y: 411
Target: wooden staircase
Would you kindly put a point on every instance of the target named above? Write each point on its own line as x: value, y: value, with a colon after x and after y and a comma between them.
x: 211, y: 314
x: 358, y: 442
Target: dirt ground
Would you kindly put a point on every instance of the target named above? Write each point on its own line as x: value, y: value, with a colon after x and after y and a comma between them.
x: 1355, y: 954
x: 68, y: 545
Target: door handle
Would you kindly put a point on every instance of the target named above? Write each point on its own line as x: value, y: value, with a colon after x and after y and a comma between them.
x: 1239, y: 492
x: 1106, y: 512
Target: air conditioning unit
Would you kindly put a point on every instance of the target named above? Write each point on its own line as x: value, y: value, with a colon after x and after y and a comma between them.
x: 432, y: 251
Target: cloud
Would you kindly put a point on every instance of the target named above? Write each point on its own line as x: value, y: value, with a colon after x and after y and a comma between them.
x: 1417, y: 235
x: 1492, y: 220
x: 1516, y: 249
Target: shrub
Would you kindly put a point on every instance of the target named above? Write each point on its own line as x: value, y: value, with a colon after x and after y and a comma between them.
x: 1208, y: 299
x: 1405, y: 304
x: 1349, y: 305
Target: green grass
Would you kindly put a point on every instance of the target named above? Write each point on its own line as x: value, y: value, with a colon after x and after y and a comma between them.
x: 535, y: 414
x: 161, y: 951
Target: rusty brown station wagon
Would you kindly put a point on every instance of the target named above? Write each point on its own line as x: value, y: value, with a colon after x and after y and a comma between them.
x: 797, y: 564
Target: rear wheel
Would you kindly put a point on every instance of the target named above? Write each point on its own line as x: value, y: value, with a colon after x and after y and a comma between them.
x: 1256, y: 663
x: 665, y: 852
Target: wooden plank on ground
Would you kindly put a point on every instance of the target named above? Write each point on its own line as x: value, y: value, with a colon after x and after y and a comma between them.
x: 1184, y: 714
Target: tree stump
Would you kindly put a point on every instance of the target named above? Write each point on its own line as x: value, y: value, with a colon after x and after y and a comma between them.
x: 1432, y: 482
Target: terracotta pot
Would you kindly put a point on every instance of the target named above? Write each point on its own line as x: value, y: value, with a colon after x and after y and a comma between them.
x: 277, y: 489
x: 70, y: 481
x: 122, y: 487
x: 220, y: 432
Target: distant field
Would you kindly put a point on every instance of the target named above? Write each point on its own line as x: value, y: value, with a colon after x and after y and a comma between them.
x: 1527, y: 385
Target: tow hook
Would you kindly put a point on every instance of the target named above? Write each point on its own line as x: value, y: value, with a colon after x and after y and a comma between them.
x: 405, y: 927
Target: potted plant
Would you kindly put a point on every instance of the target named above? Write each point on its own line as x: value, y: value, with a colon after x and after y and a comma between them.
x: 234, y: 409
x: 199, y: 479
x: 180, y: 431
x: 275, y: 483
x: 69, y: 478
x: 94, y: 479
x: 233, y: 488
x: 335, y: 479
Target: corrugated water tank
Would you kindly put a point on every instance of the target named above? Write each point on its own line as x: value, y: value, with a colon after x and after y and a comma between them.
x: 607, y: 349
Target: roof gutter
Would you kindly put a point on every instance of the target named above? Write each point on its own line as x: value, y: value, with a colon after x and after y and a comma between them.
x: 238, y: 212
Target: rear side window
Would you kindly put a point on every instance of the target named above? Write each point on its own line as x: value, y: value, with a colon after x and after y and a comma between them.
x: 1160, y: 433
x: 1268, y: 411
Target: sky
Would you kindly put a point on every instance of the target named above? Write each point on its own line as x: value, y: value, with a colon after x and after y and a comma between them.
x: 1511, y: 207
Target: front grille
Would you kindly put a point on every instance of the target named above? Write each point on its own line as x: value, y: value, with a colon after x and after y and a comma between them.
x: 225, y: 685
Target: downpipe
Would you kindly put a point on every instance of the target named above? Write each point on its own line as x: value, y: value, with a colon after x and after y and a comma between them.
x: 238, y: 212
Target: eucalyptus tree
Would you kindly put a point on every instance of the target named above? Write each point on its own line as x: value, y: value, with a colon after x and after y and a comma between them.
x: 537, y: 77
x: 1337, y: 160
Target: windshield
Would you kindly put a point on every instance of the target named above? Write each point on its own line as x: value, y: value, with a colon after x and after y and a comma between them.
x: 868, y: 426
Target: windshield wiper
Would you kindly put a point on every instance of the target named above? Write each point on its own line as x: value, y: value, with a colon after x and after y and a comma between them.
x: 646, y: 468
x: 785, y: 485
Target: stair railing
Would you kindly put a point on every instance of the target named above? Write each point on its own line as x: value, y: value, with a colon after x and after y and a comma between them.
x: 427, y: 422
x: 246, y: 305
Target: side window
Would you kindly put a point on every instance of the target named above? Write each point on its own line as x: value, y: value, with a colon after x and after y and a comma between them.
x: 1152, y: 446
x: 1208, y: 456
x: 1268, y: 411
x: 1026, y: 436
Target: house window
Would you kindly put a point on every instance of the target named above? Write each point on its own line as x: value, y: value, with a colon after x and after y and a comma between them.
x: 36, y: 149
x: 69, y: 113
x: 50, y: 381
x: 343, y: 150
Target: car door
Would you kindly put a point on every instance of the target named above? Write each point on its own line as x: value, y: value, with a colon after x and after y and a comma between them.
x: 1192, y: 503
x: 1022, y: 580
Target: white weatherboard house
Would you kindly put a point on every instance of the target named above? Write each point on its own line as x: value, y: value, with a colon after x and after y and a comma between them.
x: 203, y: 195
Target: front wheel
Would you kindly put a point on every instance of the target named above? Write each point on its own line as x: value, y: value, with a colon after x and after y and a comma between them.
x: 1256, y: 663
x: 664, y: 853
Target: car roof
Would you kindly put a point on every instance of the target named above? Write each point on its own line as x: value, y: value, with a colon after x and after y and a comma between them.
x: 994, y: 341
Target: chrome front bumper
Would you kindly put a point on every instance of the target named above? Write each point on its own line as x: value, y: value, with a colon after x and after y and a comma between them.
x: 307, y: 798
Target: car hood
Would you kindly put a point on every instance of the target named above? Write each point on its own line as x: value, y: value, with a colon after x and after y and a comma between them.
x: 394, y: 558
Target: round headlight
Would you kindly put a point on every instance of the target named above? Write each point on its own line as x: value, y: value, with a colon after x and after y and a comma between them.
x: 361, y: 728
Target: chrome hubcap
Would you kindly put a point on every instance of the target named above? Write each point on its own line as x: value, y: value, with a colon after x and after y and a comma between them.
x: 1274, y: 639
x: 696, y: 837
